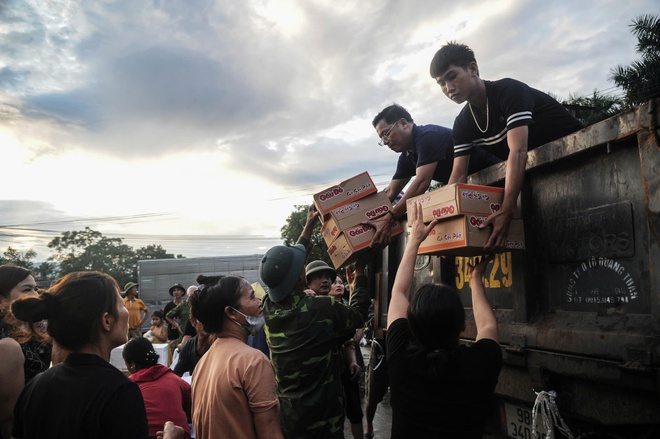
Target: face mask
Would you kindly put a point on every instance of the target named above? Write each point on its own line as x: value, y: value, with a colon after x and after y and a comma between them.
x: 254, y: 324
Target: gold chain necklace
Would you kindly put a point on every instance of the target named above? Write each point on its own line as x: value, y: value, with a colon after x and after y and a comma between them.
x: 475, y: 119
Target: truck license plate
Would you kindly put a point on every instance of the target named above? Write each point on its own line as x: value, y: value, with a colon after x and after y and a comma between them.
x: 519, y: 423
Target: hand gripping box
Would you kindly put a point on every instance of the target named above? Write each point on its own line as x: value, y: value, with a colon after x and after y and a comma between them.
x: 345, y: 192
x: 351, y: 243
x: 461, y: 236
x: 459, y: 199
x: 352, y: 214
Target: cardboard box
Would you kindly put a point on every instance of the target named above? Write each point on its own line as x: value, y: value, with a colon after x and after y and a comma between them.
x: 460, y: 236
x: 352, y: 214
x: 459, y: 199
x: 345, y: 192
x: 351, y: 243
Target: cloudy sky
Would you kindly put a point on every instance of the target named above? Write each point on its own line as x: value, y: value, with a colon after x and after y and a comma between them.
x: 199, y: 124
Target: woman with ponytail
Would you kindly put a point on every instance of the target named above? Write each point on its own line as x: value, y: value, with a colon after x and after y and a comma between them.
x: 233, y: 387
x: 166, y: 396
x: 439, y: 388
x: 84, y: 396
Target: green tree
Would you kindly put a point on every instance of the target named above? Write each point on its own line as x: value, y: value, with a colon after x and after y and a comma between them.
x: 90, y: 250
x: 641, y: 79
x: 153, y: 251
x: 47, y: 270
x: 291, y: 231
x: 596, y: 107
x: 15, y: 257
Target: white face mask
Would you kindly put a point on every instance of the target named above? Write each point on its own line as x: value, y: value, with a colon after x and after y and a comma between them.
x: 254, y: 324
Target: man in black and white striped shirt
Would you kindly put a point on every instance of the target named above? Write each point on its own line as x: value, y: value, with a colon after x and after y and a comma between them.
x: 505, y: 117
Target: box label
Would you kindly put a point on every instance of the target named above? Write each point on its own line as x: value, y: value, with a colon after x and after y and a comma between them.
x: 343, y: 193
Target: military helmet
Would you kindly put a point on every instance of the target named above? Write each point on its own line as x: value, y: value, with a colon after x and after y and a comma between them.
x: 280, y: 269
x: 317, y: 266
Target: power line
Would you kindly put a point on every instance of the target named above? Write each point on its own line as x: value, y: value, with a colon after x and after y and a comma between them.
x: 88, y: 219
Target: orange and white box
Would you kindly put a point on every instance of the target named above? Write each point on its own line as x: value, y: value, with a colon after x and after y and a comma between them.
x: 352, y: 214
x: 344, y: 193
x: 349, y: 244
x: 461, y: 236
x: 459, y: 199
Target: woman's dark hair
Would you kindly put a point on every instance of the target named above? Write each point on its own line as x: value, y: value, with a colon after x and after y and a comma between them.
x: 73, y: 307
x: 208, y: 303
x: 140, y: 351
x: 10, y: 276
x: 159, y: 313
x: 209, y: 281
x: 436, y: 318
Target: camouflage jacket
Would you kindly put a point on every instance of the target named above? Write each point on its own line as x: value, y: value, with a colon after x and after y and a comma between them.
x: 305, y: 334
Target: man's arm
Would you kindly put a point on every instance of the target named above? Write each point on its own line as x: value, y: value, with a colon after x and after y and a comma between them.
x: 350, y: 318
x: 383, y: 225
x: 404, y: 276
x: 146, y: 314
x: 421, y: 183
x: 350, y: 358
x: 267, y: 424
x: 306, y: 234
x: 395, y: 187
x: 484, y: 317
x: 515, y: 173
x: 174, y: 312
x: 359, y: 298
x: 459, y: 170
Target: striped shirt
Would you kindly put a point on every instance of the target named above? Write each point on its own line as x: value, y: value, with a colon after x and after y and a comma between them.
x: 511, y: 104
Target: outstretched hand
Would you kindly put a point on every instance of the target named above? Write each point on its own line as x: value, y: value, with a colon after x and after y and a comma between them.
x: 312, y: 214
x: 350, y: 275
x: 476, y: 271
x: 419, y: 230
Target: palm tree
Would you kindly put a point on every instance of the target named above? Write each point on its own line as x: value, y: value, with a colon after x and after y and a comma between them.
x: 594, y: 108
x: 641, y: 79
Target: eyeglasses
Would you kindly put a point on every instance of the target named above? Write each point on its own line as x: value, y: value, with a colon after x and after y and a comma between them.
x: 385, y: 137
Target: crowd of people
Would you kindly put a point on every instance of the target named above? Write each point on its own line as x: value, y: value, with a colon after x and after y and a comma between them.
x: 285, y: 364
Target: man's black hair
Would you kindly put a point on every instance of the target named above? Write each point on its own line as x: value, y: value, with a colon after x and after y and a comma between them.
x: 392, y: 114
x: 454, y: 53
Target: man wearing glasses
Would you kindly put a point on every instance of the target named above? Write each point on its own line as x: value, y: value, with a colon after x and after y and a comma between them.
x: 426, y: 152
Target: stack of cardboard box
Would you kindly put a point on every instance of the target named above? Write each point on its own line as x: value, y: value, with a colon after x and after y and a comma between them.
x: 344, y: 208
x: 460, y: 209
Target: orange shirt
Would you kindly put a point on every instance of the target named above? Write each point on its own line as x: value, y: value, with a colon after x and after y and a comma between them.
x: 134, y: 308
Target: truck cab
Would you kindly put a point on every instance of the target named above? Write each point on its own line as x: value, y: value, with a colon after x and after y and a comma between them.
x: 578, y: 309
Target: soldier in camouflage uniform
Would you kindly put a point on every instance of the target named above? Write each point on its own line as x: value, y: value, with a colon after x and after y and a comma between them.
x: 304, y: 334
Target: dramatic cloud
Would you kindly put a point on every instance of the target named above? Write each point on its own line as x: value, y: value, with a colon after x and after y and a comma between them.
x: 260, y: 101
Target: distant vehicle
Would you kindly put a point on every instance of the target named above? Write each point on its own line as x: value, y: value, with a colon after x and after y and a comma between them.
x: 579, y: 309
x: 156, y: 276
